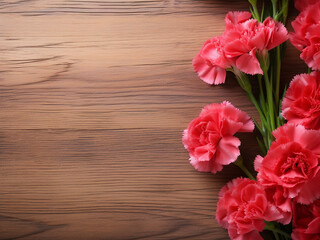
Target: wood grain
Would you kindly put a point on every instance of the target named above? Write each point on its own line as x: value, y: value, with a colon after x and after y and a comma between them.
x: 94, y: 96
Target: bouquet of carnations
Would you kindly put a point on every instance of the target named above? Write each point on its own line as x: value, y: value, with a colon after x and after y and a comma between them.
x: 282, y: 196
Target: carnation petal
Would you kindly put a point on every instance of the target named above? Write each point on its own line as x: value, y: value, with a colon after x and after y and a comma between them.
x: 230, y: 127
x: 219, y: 75
x: 280, y: 35
x: 316, y: 58
x: 306, y: 221
x: 297, y: 41
x: 207, y: 72
x: 257, y: 162
x: 314, y: 226
x: 275, y: 214
x: 227, y: 150
x: 204, y: 153
x: 213, y: 51
x: 310, y: 191
x: 236, y: 47
x: 205, y: 166
x: 247, y: 124
x: 309, y: 139
x: 248, y: 63
x: 259, y: 40
x: 203, y: 69
x: 253, y: 235
x: 235, y: 17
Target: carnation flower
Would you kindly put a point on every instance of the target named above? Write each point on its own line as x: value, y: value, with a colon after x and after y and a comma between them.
x: 306, y: 221
x: 292, y: 163
x: 209, y: 138
x: 306, y: 36
x: 301, y: 104
x: 242, y: 39
x: 243, y: 208
x: 246, y: 39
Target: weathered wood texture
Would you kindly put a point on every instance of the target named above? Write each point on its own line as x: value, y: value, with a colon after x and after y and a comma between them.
x: 94, y: 96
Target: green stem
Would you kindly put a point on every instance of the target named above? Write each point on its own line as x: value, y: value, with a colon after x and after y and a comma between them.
x: 255, y: 103
x: 262, y: 146
x: 262, y: 98
x: 285, y: 6
x: 276, y: 235
x: 246, y: 86
x: 278, y: 69
x: 266, y: 128
x: 269, y: 97
x: 255, y: 12
x: 270, y: 226
x: 240, y: 164
x: 274, y: 8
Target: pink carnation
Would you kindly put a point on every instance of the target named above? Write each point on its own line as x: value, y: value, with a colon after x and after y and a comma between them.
x: 301, y: 104
x: 306, y: 36
x: 292, y: 163
x: 306, y: 221
x: 209, y: 138
x: 243, y: 208
x: 251, y: 37
x: 242, y: 40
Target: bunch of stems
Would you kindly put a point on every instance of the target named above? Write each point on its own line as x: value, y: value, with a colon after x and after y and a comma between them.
x: 268, y: 103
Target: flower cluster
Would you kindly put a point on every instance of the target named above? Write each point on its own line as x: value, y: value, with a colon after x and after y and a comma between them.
x: 242, y: 43
x: 285, y: 189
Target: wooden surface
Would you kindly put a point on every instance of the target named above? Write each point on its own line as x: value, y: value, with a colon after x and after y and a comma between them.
x: 94, y: 96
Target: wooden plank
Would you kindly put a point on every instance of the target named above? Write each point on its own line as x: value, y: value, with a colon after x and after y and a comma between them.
x: 94, y: 96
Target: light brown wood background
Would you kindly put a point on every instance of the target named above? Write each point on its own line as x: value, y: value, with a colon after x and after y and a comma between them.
x: 94, y: 96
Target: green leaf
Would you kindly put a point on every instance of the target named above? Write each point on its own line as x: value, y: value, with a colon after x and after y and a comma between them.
x: 262, y: 147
